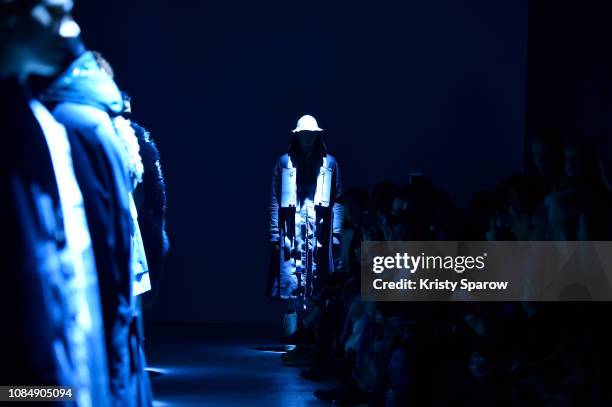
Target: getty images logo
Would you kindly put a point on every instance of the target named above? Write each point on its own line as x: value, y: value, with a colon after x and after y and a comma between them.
x: 405, y: 261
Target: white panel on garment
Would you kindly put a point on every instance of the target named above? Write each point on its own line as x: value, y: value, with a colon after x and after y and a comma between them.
x: 78, y: 256
x: 288, y: 188
x: 323, y: 192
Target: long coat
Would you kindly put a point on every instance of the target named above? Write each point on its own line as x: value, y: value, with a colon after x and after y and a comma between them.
x: 305, y: 214
x: 49, y: 294
x: 83, y: 99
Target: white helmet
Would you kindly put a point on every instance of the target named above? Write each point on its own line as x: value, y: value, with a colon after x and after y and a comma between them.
x: 307, y: 123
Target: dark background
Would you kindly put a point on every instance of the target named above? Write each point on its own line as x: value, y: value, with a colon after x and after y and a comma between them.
x: 436, y: 87
x: 569, y: 85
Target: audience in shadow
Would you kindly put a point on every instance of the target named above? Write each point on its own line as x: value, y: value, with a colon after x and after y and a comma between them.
x: 427, y: 353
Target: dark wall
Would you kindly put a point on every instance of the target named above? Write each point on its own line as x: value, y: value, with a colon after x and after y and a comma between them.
x: 435, y: 87
x: 570, y: 72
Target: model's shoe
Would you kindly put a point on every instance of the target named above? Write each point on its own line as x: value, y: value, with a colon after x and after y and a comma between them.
x: 300, y: 356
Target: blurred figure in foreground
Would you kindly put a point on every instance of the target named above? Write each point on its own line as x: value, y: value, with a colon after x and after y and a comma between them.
x: 87, y: 101
x: 50, y: 290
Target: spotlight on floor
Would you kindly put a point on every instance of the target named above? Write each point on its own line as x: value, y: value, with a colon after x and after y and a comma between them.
x: 274, y: 349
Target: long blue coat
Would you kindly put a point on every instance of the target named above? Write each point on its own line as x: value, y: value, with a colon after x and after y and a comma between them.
x: 52, y: 332
x: 84, y: 98
x: 305, y: 215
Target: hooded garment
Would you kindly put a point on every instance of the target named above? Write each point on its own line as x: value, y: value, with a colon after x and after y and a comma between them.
x: 305, y: 214
x: 83, y: 99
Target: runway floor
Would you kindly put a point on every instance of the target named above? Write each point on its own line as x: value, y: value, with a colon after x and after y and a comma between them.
x: 206, y: 365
